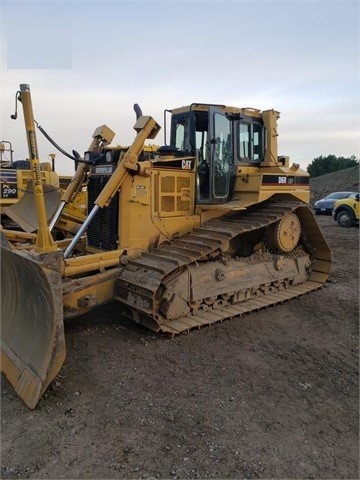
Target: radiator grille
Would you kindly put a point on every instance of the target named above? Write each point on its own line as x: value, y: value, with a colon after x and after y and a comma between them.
x: 103, y: 230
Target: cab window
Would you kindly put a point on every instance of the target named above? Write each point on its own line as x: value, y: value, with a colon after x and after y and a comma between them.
x: 181, y: 133
x: 250, y: 142
x: 245, y: 140
x: 222, y: 158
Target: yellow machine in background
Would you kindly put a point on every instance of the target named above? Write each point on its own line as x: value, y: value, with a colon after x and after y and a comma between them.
x: 211, y: 226
x: 16, y: 175
x: 17, y: 205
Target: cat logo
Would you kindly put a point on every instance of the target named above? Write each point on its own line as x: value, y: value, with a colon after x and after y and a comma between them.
x: 186, y: 164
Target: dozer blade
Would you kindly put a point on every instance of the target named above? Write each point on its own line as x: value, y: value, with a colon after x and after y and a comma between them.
x: 23, y: 212
x: 32, y: 330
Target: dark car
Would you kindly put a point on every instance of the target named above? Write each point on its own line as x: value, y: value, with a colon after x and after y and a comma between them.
x: 325, y: 205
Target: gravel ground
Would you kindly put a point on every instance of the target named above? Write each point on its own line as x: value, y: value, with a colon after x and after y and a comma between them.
x: 273, y: 394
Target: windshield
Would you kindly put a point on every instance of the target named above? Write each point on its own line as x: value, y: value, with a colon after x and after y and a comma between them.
x: 337, y: 195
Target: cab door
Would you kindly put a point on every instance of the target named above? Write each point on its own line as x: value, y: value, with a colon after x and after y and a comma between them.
x: 221, y: 156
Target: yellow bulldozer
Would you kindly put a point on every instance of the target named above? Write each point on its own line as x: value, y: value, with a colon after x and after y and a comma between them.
x: 214, y: 225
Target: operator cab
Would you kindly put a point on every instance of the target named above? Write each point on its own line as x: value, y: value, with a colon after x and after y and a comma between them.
x: 221, y: 138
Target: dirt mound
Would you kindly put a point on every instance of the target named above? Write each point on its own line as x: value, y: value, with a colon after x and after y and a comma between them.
x: 342, y: 180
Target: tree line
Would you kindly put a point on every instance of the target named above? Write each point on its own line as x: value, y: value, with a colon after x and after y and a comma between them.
x: 322, y: 165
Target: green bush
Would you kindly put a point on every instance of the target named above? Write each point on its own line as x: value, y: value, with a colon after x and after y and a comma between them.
x: 322, y: 165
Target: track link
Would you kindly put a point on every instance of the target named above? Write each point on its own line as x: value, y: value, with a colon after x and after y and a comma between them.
x: 149, y: 283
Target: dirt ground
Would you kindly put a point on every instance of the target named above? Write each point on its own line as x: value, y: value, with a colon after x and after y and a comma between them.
x: 273, y: 394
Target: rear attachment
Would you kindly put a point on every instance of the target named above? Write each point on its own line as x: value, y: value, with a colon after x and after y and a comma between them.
x: 230, y: 266
x: 32, y: 331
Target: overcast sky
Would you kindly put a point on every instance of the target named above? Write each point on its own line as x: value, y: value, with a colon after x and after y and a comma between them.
x: 88, y: 62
